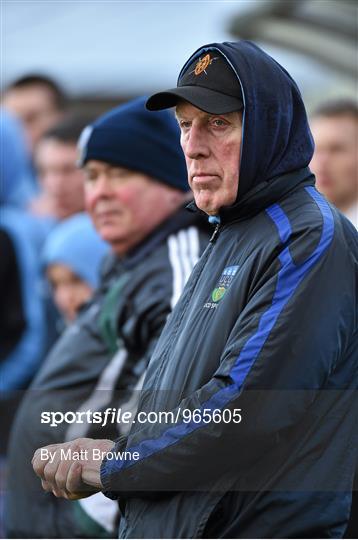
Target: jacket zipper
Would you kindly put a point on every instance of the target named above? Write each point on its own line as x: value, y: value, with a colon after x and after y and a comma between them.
x: 215, y: 233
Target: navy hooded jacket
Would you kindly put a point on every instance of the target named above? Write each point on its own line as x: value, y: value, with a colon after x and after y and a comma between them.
x: 258, y: 362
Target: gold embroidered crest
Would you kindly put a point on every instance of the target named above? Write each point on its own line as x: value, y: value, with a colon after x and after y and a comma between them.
x: 202, y: 64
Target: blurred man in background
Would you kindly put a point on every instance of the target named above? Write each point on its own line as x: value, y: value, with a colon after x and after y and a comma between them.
x: 61, y: 181
x: 61, y: 195
x: 334, y: 127
x: 38, y: 101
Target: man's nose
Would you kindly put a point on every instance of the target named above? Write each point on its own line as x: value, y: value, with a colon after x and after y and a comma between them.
x: 196, y: 144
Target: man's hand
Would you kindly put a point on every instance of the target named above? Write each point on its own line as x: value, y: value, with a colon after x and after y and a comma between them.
x: 70, y: 470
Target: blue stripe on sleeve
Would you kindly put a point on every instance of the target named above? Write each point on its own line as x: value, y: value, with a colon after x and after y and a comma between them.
x: 279, y: 217
x: 289, y: 278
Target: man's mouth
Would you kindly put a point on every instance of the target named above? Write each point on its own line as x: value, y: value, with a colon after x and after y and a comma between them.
x: 107, y: 214
x: 203, y: 178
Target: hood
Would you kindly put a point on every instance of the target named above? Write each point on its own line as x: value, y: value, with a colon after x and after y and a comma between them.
x: 76, y: 244
x: 276, y: 136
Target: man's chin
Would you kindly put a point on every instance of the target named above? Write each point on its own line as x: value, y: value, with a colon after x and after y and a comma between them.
x: 209, y: 210
x: 109, y: 235
x: 206, y: 205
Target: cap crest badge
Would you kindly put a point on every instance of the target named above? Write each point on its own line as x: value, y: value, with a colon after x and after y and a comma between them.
x: 202, y: 64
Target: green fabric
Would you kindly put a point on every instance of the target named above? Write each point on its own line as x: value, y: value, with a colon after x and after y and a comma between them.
x: 89, y: 528
x: 108, y: 315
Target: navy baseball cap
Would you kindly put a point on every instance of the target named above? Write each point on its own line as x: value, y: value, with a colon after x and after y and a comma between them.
x: 208, y: 82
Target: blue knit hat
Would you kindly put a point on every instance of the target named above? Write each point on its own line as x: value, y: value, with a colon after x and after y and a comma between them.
x: 134, y: 138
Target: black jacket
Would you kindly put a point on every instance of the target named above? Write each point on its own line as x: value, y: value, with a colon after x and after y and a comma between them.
x: 258, y: 361
x: 97, y: 363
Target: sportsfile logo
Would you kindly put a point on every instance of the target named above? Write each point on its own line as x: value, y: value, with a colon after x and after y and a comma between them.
x: 221, y: 288
x: 112, y: 415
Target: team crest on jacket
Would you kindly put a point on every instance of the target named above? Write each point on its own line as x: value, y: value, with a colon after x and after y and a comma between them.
x: 224, y: 283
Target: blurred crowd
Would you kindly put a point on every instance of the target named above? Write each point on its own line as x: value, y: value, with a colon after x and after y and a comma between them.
x: 52, y: 254
x: 50, y: 251
x: 41, y: 193
x: 59, y: 261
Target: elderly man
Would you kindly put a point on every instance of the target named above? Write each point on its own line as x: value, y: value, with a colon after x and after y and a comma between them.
x: 61, y: 181
x: 256, y: 367
x: 135, y: 189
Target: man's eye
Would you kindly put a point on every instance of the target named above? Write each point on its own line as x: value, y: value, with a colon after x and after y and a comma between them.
x: 184, y: 124
x: 218, y: 122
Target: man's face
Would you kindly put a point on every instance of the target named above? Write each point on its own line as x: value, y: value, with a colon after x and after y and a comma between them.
x: 125, y: 205
x: 62, y: 181
x: 35, y: 108
x: 211, y: 144
x: 335, y: 160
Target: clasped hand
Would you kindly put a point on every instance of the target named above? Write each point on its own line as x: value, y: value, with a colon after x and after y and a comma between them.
x: 70, y: 470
